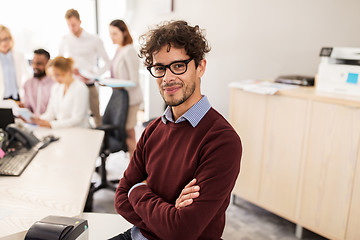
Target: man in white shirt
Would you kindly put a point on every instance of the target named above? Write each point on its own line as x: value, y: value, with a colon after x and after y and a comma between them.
x: 85, y: 49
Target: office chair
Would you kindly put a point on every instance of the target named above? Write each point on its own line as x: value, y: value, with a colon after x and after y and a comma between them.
x: 113, y: 123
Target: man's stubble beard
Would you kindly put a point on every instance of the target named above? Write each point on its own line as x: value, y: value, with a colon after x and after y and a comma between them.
x: 189, y: 91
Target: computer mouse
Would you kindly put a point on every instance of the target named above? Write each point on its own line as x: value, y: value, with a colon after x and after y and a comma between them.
x: 47, y: 140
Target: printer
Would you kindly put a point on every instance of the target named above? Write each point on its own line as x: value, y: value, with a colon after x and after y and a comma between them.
x: 339, y: 71
x: 59, y: 228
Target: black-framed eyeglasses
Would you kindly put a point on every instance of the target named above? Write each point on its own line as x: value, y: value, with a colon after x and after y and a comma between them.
x: 177, y: 68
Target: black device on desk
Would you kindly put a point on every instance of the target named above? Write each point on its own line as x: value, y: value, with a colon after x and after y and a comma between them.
x: 296, y: 80
x: 58, y: 228
x: 20, y: 148
x: 22, y: 135
x: 19, y: 144
x: 6, y: 117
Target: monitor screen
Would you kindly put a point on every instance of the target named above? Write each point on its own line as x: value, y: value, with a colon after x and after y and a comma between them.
x: 6, y: 117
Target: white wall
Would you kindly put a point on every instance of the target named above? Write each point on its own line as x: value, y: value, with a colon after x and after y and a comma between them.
x: 41, y: 23
x: 257, y: 38
x: 249, y: 38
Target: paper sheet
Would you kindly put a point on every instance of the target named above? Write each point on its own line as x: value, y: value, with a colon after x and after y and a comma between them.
x: 113, y: 82
x: 260, y: 87
x: 23, y: 112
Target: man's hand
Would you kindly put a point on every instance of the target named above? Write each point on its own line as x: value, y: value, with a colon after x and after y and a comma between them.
x: 187, y: 195
x: 20, y: 104
x: 77, y: 73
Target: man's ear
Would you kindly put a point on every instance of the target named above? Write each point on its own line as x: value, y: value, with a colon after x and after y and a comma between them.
x: 201, y: 68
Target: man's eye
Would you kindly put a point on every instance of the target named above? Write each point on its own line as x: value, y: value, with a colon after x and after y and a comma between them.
x: 159, y: 68
x: 178, y: 65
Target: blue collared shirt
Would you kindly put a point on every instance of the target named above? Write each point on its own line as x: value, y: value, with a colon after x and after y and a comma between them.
x: 9, y: 73
x: 193, y: 115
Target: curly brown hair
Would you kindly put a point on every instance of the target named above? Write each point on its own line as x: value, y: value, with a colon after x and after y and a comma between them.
x: 176, y: 34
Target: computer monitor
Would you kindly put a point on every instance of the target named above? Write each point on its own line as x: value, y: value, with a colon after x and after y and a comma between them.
x: 6, y: 117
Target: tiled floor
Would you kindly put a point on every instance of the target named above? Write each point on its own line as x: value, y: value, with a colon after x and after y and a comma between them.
x: 244, y: 221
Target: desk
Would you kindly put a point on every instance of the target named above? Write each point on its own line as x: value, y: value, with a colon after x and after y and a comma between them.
x: 56, y: 182
x: 105, y: 225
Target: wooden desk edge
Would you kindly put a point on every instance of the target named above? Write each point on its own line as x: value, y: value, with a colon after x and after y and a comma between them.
x: 311, y: 93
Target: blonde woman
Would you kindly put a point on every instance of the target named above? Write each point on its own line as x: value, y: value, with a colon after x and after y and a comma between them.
x: 14, y: 70
x: 69, y: 98
x: 125, y: 66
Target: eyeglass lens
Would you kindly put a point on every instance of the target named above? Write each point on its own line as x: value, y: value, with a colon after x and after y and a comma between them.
x: 177, y: 68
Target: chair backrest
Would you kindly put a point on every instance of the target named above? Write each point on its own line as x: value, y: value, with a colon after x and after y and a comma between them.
x: 116, y: 114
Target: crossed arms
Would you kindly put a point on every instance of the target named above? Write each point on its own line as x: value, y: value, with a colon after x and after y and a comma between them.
x: 199, y: 204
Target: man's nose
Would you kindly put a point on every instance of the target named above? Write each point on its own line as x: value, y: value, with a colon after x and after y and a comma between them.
x: 169, y: 76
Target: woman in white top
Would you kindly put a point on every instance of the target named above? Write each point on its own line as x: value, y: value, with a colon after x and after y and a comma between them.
x: 69, y: 98
x: 13, y: 67
x: 125, y: 66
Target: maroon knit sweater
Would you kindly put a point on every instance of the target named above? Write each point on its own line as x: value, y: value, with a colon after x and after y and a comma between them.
x: 169, y: 156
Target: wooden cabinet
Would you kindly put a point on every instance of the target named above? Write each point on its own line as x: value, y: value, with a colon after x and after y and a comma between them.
x: 301, y: 158
x: 283, y: 141
x: 329, y: 168
x: 353, y: 229
x: 248, y: 117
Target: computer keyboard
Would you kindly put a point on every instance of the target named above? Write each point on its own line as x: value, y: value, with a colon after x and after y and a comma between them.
x: 14, y: 163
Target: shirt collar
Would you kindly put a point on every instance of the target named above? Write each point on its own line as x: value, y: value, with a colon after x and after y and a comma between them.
x: 193, y: 115
x: 8, y: 54
x: 83, y: 34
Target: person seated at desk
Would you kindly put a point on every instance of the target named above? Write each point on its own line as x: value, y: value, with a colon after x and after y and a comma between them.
x: 13, y: 67
x: 37, y: 89
x: 69, y: 98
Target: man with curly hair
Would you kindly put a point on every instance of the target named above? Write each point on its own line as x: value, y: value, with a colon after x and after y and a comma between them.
x: 179, y: 180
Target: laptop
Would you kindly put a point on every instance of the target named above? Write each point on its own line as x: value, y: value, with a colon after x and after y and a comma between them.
x: 6, y: 117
